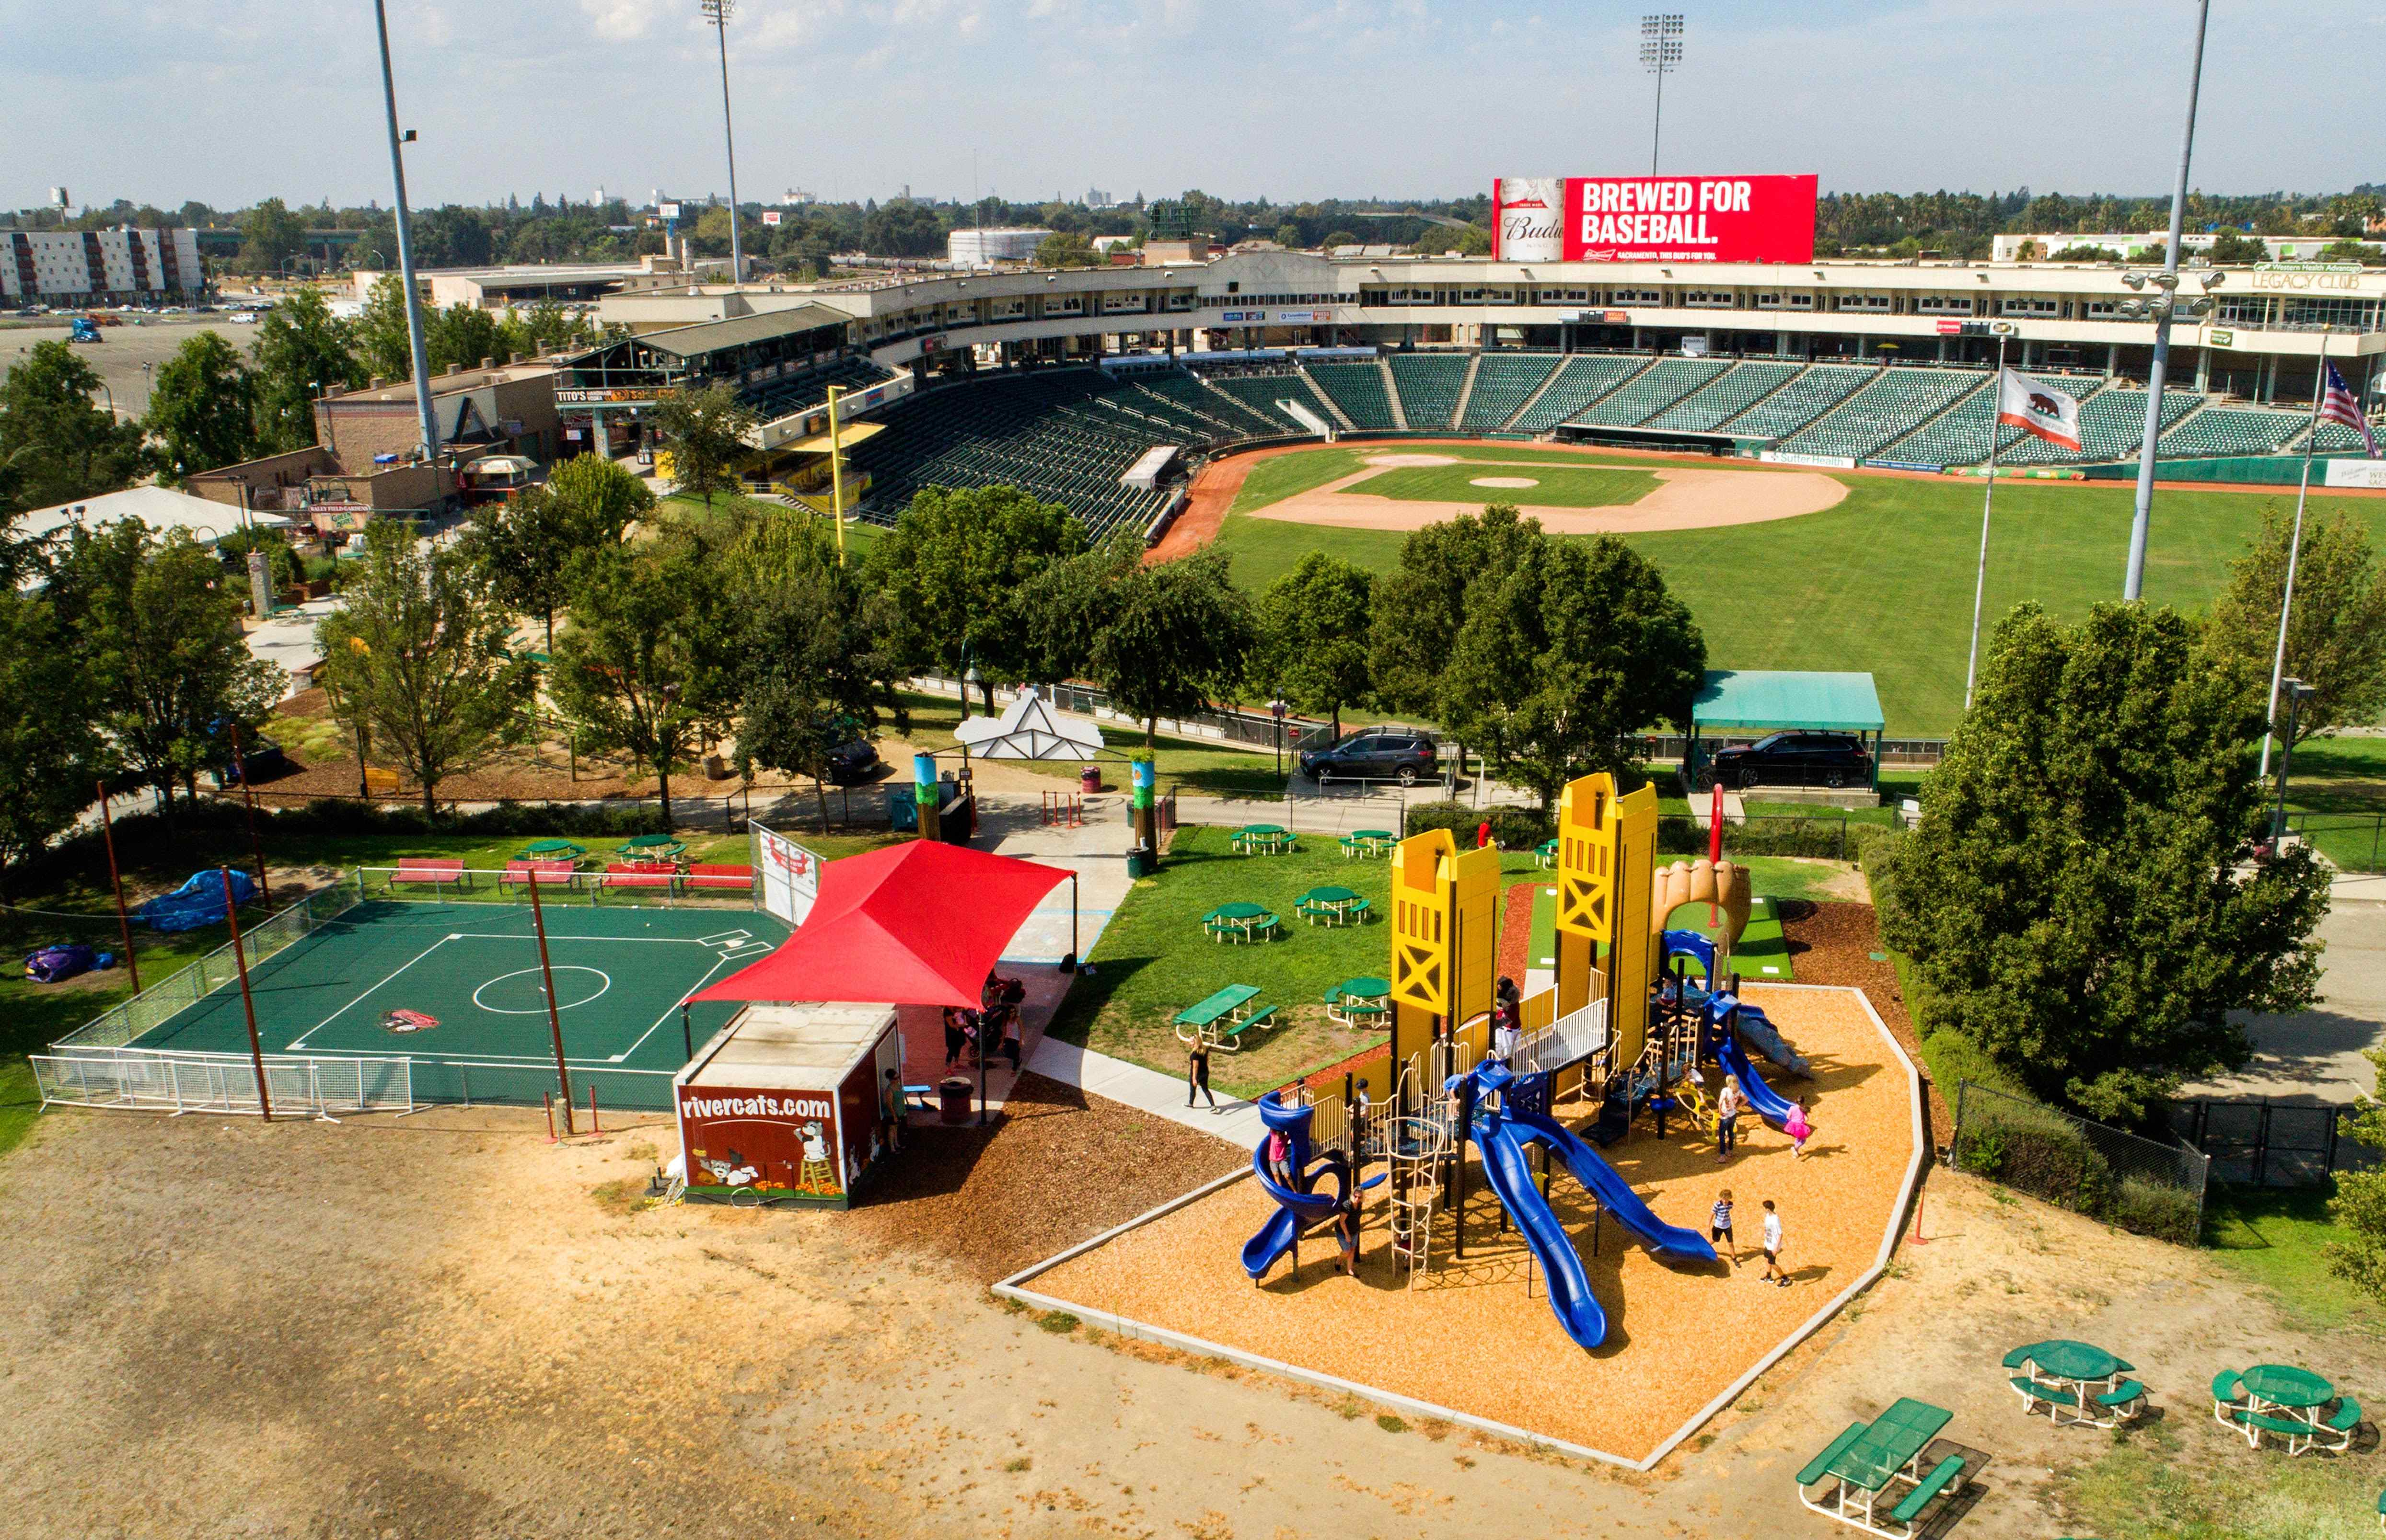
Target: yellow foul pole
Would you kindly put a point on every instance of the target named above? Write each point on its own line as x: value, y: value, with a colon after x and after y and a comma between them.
x: 836, y: 472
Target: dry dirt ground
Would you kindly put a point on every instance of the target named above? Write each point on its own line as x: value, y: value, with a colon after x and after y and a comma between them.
x: 1684, y: 499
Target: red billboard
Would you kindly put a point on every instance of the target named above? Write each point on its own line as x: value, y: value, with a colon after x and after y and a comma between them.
x: 1653, y: 218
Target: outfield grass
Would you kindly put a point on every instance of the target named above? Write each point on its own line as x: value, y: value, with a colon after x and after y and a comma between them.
x: 1882, y: 582
x: 1281, y: 476
x: 1560, y: 486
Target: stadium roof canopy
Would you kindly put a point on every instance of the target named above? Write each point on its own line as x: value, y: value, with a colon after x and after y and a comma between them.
x: 709, y: 337
x: 1768, y: 700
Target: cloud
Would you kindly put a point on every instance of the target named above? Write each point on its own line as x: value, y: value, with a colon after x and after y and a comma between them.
x: 620, y: 20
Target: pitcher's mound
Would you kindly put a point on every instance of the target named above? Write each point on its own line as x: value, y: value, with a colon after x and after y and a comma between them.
x: 1503, y: 481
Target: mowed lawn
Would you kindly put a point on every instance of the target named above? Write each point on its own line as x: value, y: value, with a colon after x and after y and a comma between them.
x: 1560, y: 486
x: 1883, y: 582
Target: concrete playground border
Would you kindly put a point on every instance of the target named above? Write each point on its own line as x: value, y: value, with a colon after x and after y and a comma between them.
x: 1014, y: 1288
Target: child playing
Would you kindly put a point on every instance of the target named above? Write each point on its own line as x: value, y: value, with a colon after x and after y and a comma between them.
x: 1799, y: 1128
x: 1729, y: 1103
x: 1719, y: 1225
x: 1279, y: 1156
x: 1773, y: 1274
x: 1346, y: 1232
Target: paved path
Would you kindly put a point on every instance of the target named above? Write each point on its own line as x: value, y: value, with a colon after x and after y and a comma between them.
x: 2314, y: 1056
x: 1237, y: 1122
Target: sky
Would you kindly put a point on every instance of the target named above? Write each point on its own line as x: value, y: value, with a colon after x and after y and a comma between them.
x: 235, y: 100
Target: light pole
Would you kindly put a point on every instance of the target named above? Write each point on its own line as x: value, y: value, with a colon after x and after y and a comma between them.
x: 406, y: 247
x: 2296, y: 692
x: 718, y: 13
x: 145, y: 366
x: 1661, y: 54
x: 2134, y: 580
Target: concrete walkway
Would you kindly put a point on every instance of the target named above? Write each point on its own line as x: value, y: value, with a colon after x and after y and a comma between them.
x: 1237, y: 1122
x: 2314, y: 1056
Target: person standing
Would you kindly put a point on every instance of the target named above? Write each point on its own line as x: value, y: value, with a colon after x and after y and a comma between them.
x: 1730, y: 1104
x: 1196, y: 1072
x: 1799, y: 1128
x: 890, y: 1113
x: 1719, y: 1225
x: 1346, y: 1232
x: 1507, y: 1016
x: 1011, y: 1037
x: 1773, y: 1274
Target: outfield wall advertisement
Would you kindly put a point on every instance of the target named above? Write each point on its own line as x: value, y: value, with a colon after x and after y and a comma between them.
x: 1768, y: 219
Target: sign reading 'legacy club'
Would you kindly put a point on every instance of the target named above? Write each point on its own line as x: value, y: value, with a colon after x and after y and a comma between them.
x: 1653, y: 218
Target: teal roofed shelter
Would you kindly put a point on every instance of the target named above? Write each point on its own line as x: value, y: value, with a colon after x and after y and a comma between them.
x: 1754, y: 702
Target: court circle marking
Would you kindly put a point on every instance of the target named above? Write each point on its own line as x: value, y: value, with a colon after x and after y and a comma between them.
x: 606, y: 984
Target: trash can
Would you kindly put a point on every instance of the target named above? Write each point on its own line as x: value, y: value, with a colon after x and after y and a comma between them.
x: 1139, y: 861
x: 953, y: 1093
x: 1091, y: 777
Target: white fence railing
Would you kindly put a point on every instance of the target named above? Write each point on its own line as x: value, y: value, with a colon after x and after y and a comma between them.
x: 151, y: 1080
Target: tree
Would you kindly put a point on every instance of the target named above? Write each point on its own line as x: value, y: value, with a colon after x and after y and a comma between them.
x: 2236, y: 246
x: 460, y: 337
x: 1065, y: 249
x: 524, y: 544
x: 1567, y: 654
x: 2336, y: 638
x: 203, y: 408
x: 1312, y: 627
x: 59, y: 445
x: 2358, y: 1254
x: 1289, y: 235
x: 416, y: 649
x: 706, y: 429
x: 1420, y: 605
x: 271, y: 235
x: 156, y: 630
x: 1178, y: 632
x: 49, y: 754
x: 302, y: 351
x: 647, y: 660
x: 816, y: 667
x: 903, y: 228
x: 2075, y: 253
x: 956, y: 568
x: 2082, y: 896
x: 382, y: 339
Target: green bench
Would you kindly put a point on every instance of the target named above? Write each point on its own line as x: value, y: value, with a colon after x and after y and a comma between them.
x: 2344, y: 1421
x: 2034, y: 1391
x: 1817, y: 1468
x: 1223, y: 1017
x: 1945, y: 1474
x: 2253, y: 1424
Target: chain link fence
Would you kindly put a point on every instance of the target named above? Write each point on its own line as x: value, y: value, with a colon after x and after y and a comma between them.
x: 2268, y: 1144
x: 2137, y: 1184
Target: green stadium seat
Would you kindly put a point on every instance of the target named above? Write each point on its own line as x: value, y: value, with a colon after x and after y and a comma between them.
x: 1585, y: 378
x: 1651, y: 391
x: 1727, y: 396
x: 2232, y: 430
x: 1503, y: 383
x: 1430, y: 385
x: 1804, y: 399
x: 1358, y: 389
x: 1898, y: 401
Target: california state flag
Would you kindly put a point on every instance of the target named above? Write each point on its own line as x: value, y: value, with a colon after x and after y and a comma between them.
x: 2039, y: 409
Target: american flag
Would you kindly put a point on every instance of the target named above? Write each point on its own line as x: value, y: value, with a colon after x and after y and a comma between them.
x: 2337, y: 405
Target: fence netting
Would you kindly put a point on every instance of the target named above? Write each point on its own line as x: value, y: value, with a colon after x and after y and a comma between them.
x: 2107, y: 1174
x: 296, y: 1085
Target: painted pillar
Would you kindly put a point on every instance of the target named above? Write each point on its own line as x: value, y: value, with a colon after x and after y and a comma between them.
x: 924, y: 787
x: 1143, y: 778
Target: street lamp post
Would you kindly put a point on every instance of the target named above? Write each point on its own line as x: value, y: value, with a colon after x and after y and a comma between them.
x: 1661, y: 54
x: 2296, y: 692
x: 422, y: 358
x: 718, y: 13
x: 2133, y: 582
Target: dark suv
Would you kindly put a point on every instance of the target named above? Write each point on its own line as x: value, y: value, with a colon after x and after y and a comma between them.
x: 1796, y: 759
x: 1378, y: 753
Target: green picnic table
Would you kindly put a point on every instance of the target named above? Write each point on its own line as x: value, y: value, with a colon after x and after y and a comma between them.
x: 548, y: 850
x: 1366, y: 844
x: 1223, y: 1017
x: 2076, y: 1377
x: 2279, y: 1398
x: 1241, y: 920
x: 1867, y: 1459
x: 1545, y: 854
x: 1332, y: 905
x: 1263, y: 838
x: 652, y: 847
x: 1359, y: 1002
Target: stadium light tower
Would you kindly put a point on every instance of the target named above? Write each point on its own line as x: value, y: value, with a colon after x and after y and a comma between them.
x: 1661, y: 54
x: 421, y: 360
x: 717, y: 13
x: 2160, y: 308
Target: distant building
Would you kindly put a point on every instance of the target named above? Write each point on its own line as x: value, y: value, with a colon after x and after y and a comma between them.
x: 979, y: 248
x: 99, y: 266
x: 2122, y: 244
x: 525, y: 283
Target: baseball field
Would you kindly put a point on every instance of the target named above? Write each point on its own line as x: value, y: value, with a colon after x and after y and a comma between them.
x: 1878, y: 577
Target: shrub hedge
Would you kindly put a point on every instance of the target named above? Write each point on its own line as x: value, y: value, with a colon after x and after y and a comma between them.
x: 1514, y: 828
x: 2045, y: 1154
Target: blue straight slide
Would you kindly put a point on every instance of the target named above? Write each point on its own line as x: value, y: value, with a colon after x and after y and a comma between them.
x: 1614, y: 1192
x: 1767, y: 1102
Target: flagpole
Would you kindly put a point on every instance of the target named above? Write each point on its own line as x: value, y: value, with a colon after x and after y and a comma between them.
x: 1988, y: 503
x: 2294, y: 553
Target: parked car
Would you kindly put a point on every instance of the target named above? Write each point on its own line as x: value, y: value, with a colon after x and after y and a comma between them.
x: 851, y: 764
x: 1378, y: 754
x: 1796, y: 759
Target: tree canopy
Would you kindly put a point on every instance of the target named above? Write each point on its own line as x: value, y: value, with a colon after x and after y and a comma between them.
x: 50, y: 754
x: 203, y: 406
x: 2336, y: 638
x: 56, y: 442
x: 2082, y: 896
x: 524, y: 545
x: 1311, y: 636
x: 706, y: 429
x: 956, y: 566
x: 302, y: 350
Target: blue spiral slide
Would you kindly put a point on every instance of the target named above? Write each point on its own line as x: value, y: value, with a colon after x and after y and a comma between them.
x: 1297, y: 1207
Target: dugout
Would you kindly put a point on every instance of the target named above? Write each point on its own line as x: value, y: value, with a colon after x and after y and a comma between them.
x: 781, y: 1105
x: 1743, y: 705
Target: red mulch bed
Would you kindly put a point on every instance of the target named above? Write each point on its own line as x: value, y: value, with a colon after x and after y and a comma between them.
x: 1516, y: 931
x: 1058, y: 1167
x: 1832, y: 943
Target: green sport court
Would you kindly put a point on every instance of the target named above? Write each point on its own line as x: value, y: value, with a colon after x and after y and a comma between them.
x: 473, y: 969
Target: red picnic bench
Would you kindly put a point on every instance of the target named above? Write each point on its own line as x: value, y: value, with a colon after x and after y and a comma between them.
x: 704, y: 874
x: 638, y: 874
x: 547, y: 874
x: 438, y: 870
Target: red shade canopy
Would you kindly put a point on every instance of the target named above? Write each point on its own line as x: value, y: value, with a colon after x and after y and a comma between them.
x: 916, y: 924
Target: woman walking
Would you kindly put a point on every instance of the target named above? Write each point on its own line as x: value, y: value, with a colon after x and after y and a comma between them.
x: 1197, y: 1073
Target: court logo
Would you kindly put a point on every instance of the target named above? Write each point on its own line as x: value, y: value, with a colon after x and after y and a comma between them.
x: 409, y: 1021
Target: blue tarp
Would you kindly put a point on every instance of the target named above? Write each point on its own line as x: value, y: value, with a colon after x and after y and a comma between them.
x: 197, y: 902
